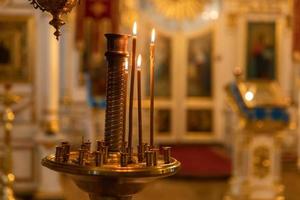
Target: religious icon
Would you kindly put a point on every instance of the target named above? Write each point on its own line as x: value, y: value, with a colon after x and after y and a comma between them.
x: 200, y: 66
x: 261, y: 52
x: 199, y: 121
x: 163, y: 121
x: 14, y: 49
x: 5, y: 54
x: 9, y: 54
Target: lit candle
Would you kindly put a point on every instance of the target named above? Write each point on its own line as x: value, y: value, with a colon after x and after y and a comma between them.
x: 125, y: 103
x: 134, y: 33
x: 152, y: 51
x: 139, y: 62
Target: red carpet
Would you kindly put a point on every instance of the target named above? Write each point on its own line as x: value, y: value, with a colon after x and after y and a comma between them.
x: 202, y: 160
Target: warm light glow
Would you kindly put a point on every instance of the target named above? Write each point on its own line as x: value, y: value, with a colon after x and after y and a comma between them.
x: 210, y: 15
x: 139, y: 62
x: 11, y: 177
x: 249, y: 96
x: 214, y: 14
x: 134, y: 29
x: 153, y: 35
x: 126, y: 65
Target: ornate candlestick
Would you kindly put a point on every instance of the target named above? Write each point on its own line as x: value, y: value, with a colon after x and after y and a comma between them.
x: 106, y: 173
x: 57, y: 8
x: 7, y: 178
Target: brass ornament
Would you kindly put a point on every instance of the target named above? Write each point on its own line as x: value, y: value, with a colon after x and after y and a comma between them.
x: 56, y: 8
x: 261, y: 162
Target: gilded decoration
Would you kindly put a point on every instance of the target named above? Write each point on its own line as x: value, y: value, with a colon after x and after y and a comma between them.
x: 8, y: 99
x: 261, y: 6
x: 260, y: 104
x: 174, y: 15
x: 180, y: 9
x: 261, y: 162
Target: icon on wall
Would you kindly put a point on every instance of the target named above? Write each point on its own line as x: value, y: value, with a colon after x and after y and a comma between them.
x: 163, y: 121
x: 15, y: 52
x: 261, y: 50
x: 200, y: 66
x: 200, y: 121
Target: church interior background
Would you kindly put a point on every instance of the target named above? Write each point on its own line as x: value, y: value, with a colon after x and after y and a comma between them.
x: 227, y: 94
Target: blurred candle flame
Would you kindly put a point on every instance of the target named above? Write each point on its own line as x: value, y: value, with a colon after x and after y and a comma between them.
x: 134, y: 28
x: 126, y: 65
x: 153, y: 35
x: 139, y: 62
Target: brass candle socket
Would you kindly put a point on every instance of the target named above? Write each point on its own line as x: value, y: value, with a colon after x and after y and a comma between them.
x: 56, y: 8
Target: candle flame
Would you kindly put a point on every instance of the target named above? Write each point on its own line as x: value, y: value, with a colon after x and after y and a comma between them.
x: 134, y: 29
x: 153, y: 35
x: 126, y: 65
x: 139, y: 62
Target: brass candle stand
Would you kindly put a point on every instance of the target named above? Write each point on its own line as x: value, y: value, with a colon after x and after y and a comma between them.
x: 7, y: 177
x: 106, y: 172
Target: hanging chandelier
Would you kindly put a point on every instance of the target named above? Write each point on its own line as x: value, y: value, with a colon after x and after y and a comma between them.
x: 56, y: 8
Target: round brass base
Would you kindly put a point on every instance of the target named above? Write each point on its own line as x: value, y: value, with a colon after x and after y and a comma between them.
x: 111, y: 181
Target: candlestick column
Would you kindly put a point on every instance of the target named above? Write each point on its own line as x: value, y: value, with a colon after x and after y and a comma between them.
x: 116, y: 56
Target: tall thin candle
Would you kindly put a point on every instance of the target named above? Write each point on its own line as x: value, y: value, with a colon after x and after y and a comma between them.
x: 134, y: 32
x: 125, y: 104
x: 139, y: 62
x: 152, y: 52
